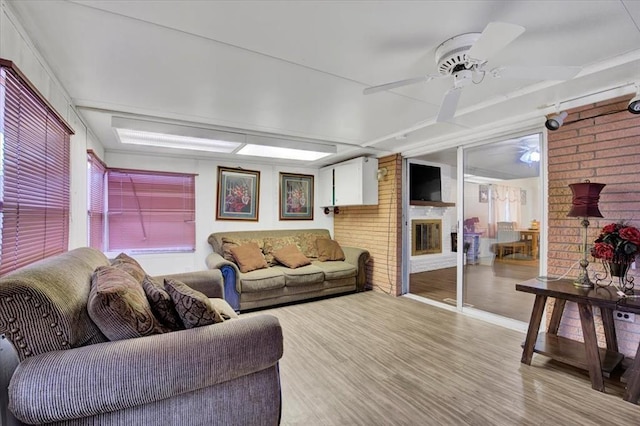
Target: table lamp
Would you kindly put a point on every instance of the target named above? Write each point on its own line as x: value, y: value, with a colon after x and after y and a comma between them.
x: 585, y: 205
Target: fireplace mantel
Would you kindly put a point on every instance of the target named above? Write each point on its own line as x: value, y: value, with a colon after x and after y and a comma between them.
x: 431, y: 203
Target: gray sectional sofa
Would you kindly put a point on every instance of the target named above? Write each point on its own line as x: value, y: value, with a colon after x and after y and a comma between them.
x: 277, y: 283
x: 59, y: 368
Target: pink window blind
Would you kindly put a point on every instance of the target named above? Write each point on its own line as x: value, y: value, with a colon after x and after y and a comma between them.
x: 95, y: 185
x: 150, y: 211
x: 34, y: 179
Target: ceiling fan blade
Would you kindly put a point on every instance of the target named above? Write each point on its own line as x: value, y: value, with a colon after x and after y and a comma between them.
x: 495, y: 37
x: 389, y: 86
x: 536, y: 73
x: 449, y: 105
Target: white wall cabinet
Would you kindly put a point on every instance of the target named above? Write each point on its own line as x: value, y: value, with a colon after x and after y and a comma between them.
x: 350, y: 183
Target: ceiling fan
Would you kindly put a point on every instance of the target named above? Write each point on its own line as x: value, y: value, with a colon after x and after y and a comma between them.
x: 465, y: 58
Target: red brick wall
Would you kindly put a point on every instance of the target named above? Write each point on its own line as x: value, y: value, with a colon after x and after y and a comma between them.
x: 378, y: 229
x: 604, y: 149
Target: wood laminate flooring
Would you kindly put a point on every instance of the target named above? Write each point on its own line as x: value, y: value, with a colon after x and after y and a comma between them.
x: 491, y: 288
x: 373, y: 359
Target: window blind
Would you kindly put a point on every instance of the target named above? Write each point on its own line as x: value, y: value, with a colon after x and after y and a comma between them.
x: 96, y: 182
x: 150, y: 211
x: 34, y: 175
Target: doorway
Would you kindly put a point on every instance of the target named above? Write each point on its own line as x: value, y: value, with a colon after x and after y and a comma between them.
x: 497, y: 228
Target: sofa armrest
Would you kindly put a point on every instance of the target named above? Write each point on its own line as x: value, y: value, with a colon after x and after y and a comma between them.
x: 209, y: 282
x: 358, y: 257
x: 105, y: 377
x: 231, y: 277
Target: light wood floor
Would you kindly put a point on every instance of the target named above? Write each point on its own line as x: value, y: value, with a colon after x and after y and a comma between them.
x: 373, y: 359
x: 490, y: 288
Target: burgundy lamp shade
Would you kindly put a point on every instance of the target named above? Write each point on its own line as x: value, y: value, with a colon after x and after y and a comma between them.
x: 585, y: 199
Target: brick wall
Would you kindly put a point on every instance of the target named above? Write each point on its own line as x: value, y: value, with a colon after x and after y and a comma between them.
x: 603, y: 147
x: 378, y: 229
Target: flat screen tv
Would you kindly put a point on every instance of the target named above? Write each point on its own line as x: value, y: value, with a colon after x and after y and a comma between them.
x: 424, y: 183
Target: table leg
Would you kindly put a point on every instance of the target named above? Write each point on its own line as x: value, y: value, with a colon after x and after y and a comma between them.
x: 632, y: 391
x: 609, y: 329
x: 534, y: 327
x: 591, y: 346
x: 556, y: 315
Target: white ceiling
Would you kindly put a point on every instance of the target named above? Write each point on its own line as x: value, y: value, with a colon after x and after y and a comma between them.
x: 297, y: 69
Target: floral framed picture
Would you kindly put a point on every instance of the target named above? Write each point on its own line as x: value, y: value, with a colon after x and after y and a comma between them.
x: 238, y: 194
x: 296, y: 197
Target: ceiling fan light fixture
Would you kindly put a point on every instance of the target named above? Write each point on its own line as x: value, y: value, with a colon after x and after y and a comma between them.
x: 555, y: 121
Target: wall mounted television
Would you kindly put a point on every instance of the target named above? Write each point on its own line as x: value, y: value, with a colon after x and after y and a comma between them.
x: 425, y: 183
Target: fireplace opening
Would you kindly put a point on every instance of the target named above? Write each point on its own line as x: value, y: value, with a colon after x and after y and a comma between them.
x: 426, y: 236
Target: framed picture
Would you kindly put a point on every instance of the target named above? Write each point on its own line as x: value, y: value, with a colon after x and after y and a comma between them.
x: 523, y: 197
x: 238, y: 194
x: 296, y: 197
x: 483, y: 195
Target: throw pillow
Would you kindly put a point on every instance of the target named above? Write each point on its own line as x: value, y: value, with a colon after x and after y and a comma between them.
x: 248, y: 257
x: 272, y: 244
x: 306, y: 241
x: 119, y: 307
x: 329, y: 250
x: 291, y: 256
x: 193, y: 307
x: 229, y: 243
x: 130, y: 265
x: 161, y: 304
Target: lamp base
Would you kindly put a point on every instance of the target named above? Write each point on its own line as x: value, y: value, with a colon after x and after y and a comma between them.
x: 583, y: 280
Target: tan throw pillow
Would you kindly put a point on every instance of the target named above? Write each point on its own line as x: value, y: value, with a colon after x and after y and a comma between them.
x: 130, y: 265
x: 161, y: 304
x: 248, y: 257
x: 193, y: 307
x: 119, y: 307
x: 329, y: 250
x: 229, y: 243
x: 291, y: 256
x: 306, y: 241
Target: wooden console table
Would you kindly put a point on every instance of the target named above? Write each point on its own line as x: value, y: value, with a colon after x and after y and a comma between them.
x: 598, y: 361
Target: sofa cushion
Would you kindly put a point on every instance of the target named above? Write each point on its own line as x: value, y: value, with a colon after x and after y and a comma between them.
x: 273, y: 244
x: 291, y: 257
x: 262, y: 280
x: 336, y: 270
x: 248, y: 257
x: 305, y: 275
x: 229, y: 243
x: 193, y: 307
x: 161, y: 304
x: 119, y: 307
x: 130, y: 265
x: 329, y: 250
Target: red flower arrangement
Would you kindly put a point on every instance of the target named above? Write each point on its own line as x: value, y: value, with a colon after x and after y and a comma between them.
x: 617, y: 243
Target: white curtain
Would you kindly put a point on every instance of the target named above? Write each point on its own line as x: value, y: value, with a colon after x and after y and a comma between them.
x: 504, y: 205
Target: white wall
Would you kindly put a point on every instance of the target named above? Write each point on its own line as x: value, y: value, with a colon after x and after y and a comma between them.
x: 206, y: 190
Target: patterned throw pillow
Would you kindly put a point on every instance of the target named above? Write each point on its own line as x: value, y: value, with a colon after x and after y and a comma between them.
x: 193, y: 307
x: 291, y: 257
x: 248, y: 257
x: 128, y: 264
x: 329, y: 250
x: 272, y: 244
x: 161, y: 304
x: 119, y: 307
x: 306, y: 241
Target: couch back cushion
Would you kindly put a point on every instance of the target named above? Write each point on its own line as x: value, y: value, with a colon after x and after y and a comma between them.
x: 43, y: 306
x: 305, y: 239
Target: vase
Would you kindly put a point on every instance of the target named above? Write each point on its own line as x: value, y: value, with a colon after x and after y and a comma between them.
x: 617, y: 272
x: 618, y: 269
